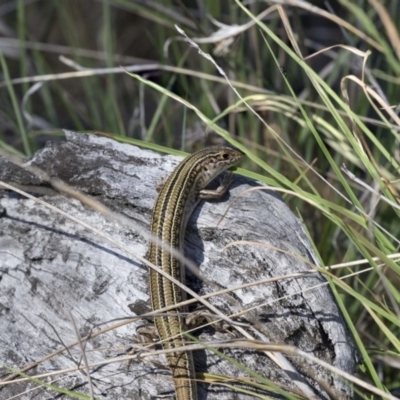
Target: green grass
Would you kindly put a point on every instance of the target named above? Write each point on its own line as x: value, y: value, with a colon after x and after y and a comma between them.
x: 298, y: 124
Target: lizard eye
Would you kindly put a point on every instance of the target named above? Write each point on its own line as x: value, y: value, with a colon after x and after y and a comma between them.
x: 225, y: 156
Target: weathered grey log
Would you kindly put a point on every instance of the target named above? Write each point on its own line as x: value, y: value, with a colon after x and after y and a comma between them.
x: 51, y: 266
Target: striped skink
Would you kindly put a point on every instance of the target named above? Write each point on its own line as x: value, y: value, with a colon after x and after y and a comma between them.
x: 177, y: 199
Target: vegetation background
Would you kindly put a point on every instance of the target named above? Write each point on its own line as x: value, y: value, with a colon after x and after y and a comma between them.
x: 310, y: 89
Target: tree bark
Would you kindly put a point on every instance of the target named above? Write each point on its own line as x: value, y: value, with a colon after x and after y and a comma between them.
x: 52, y: 267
